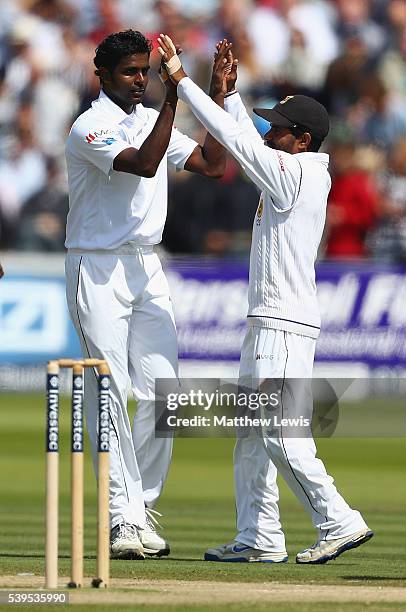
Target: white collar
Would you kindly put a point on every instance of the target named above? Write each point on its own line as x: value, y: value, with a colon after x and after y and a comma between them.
x: 114, y: 110
x: 323, y: 158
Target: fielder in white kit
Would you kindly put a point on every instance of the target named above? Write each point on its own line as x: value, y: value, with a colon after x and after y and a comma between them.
x: 117, y: 154
x: 283, y: 316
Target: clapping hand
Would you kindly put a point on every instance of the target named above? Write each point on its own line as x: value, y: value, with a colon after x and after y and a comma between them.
x: 170, y: 57
x: 224, y: 73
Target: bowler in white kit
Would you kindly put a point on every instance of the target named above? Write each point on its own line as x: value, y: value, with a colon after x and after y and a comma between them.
x: 117, y: 156
x: 283, y: 315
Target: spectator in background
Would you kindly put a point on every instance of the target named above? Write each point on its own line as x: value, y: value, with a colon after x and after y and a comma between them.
x: 8, y: 109
x: 22, y: 173
x: 211, y: 219
x: 108, y: 21
x: 341, y: 87
x: 350, y: 54
x: 352, y: 204
x: 21, y: 68
x: 301, y: 70
x: 379, y: 117
x: 189, y: 34
x: 233, y: 18
x: 46, y: 40
x: 196, y: 9
x: 43, y: 217
x: 388, y: 241
x: 193, y: 39
x: 392, y: 66
x: 354, y: 20
x: 269, y: 33
x: 395, y: 13
x: 315, y: 21
x: 86, y: 15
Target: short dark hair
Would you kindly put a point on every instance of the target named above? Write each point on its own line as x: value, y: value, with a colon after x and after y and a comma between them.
x: 314, y: 145
x: 118, y: 45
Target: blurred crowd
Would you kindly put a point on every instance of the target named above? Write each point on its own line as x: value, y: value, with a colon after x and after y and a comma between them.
x: 349, y: 54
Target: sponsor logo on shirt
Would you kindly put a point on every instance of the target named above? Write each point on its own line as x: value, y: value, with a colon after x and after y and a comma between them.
x: 260, y: 211
x: 102, y: 133
x: 282, y: 167
x: 259, y: 356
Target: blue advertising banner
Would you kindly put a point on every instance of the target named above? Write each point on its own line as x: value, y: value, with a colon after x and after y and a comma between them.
x: 34, y: 320
x: 363, y: 313
x: 362, y: 306
x: 210, y: 302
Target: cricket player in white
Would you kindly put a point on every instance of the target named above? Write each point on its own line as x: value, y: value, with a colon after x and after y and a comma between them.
x: 117, y: 154
x: 283, y: 316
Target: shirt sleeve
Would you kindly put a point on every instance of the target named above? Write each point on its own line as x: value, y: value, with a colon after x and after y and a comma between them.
x: 97, y: 143
x: 235, y: 107
x: 180, y: 149
x: 277, y: 172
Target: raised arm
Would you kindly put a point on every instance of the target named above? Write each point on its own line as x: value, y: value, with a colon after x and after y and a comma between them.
x: 233, y: 103
x: 210, y: 159
x: 145, y: 160
x: 276, y: 171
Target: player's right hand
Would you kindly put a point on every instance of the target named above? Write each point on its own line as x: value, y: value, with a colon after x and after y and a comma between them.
x: 163, y: 73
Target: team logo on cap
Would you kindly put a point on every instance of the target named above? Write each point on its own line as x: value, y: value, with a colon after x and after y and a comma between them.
x: 286, y: 99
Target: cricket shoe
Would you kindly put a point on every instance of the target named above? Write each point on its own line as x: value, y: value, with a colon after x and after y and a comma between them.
x: 153, y: 544
x: 125, y: 542
x: 236, y: 552
x: 326, y: 550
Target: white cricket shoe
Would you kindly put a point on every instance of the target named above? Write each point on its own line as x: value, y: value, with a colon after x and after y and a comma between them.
x: 125, y: 542
x: 326, y: 550
x: 240, y: 553
x: 153, y: 544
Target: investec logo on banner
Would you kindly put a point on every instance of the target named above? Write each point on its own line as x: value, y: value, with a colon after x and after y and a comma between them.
x: 32, y: 316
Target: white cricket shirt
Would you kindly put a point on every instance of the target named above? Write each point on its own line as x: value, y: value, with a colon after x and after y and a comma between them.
x: 290, y: 218
x: 107, y: 208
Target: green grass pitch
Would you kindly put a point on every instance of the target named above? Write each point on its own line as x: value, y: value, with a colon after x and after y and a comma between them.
x: 198, y: 508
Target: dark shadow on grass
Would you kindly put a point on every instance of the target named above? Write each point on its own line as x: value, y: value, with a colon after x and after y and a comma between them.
x: 39, y: 556
x: 376, y: 578
x: 186, y: 560
x: 210, y: 563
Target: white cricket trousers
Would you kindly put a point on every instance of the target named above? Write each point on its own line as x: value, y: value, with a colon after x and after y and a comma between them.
x: 120, y: 306
x: 273, y: 354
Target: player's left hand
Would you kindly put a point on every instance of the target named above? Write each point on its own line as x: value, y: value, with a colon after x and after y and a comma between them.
x: 171, y: 59
x: 224, y: 73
